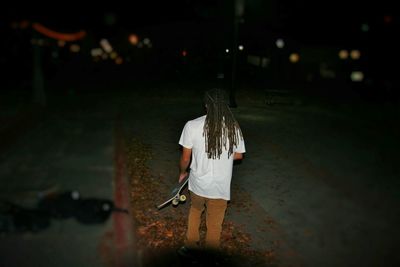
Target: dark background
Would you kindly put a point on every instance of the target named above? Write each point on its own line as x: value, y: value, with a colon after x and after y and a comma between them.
x: 204, y: 29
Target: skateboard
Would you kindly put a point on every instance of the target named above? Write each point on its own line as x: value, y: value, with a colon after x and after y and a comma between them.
x: 176, y: 195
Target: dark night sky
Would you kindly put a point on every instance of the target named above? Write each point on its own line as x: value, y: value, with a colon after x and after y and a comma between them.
x: 309, y: 20
x: 334, y: 23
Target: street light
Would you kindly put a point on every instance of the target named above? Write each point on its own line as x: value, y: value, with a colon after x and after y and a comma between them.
x: 280, y: 43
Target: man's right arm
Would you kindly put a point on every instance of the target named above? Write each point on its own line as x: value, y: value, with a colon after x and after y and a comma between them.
x: 238, y: 156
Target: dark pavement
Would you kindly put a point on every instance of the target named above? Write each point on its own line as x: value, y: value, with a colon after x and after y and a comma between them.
x: 318, y: 186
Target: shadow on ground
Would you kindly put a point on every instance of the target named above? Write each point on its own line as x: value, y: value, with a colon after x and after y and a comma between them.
x: 58, y: 206
x: 162, y: 258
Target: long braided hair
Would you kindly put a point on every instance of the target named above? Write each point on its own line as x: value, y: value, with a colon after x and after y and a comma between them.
x: 220, y: 127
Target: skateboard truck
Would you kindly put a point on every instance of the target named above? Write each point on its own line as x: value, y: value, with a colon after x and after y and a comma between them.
x: 177, y: 197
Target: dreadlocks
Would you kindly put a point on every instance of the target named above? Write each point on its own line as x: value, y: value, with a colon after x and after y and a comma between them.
x: 220, y: 126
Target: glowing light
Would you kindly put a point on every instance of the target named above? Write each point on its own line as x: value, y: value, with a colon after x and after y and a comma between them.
x: 61, y: 43
x: 146, y: 41
x: 254, y: 60
x: 365, y: 27
x: 343, y: 54
x: 113, y: 55
x: 70, y: 37
x: 133, y: 39
x: 39, y: 42
x: 357, y: 76
x: 326, y: 72
x: 265, y: 62
x: 96, y: 52
x: 241, y: 47
x: 24, y: 24
x: 119, y: 61
x: 387, y: 19
x: 280, y: 43
x: 75, y: 48
x: 106, y: 45
x: 294, y: 57
x: 184, y: 53
x: 227, y: 50
x: 355, y: 54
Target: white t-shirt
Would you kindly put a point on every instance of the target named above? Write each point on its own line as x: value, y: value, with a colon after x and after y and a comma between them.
x: 209, y: 178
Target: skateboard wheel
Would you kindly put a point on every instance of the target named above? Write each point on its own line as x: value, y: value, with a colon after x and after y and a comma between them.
x: 175, y: 202
x: 182, y: 198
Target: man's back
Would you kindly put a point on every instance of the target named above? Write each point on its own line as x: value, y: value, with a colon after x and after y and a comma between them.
x: 209, y: 178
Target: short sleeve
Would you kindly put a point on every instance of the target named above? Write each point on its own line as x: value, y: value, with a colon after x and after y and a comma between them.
x: 240, y: 147
x: 186, y: 139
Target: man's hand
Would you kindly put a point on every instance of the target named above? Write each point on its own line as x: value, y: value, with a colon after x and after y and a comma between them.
x: 182, y: 176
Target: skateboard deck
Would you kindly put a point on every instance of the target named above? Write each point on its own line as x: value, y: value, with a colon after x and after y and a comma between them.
x: 176, y: 195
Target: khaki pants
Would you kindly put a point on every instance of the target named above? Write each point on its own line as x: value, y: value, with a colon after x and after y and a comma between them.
x: 215, y: 213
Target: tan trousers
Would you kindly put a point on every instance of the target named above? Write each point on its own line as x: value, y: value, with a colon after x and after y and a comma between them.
x: 215, y: 213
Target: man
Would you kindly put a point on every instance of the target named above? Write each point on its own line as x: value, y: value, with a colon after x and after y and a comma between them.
x: 211, y: 143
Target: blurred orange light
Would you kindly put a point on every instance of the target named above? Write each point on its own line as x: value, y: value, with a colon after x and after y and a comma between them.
x: 58, y: 35
x: 119, y: 60
x: 355, y: 54
x: 24, y: 24
x: 61, y: 43
x: 294, y: 57
x: 133, y: 39
x: 75, y: 48
x: 343, y: 54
